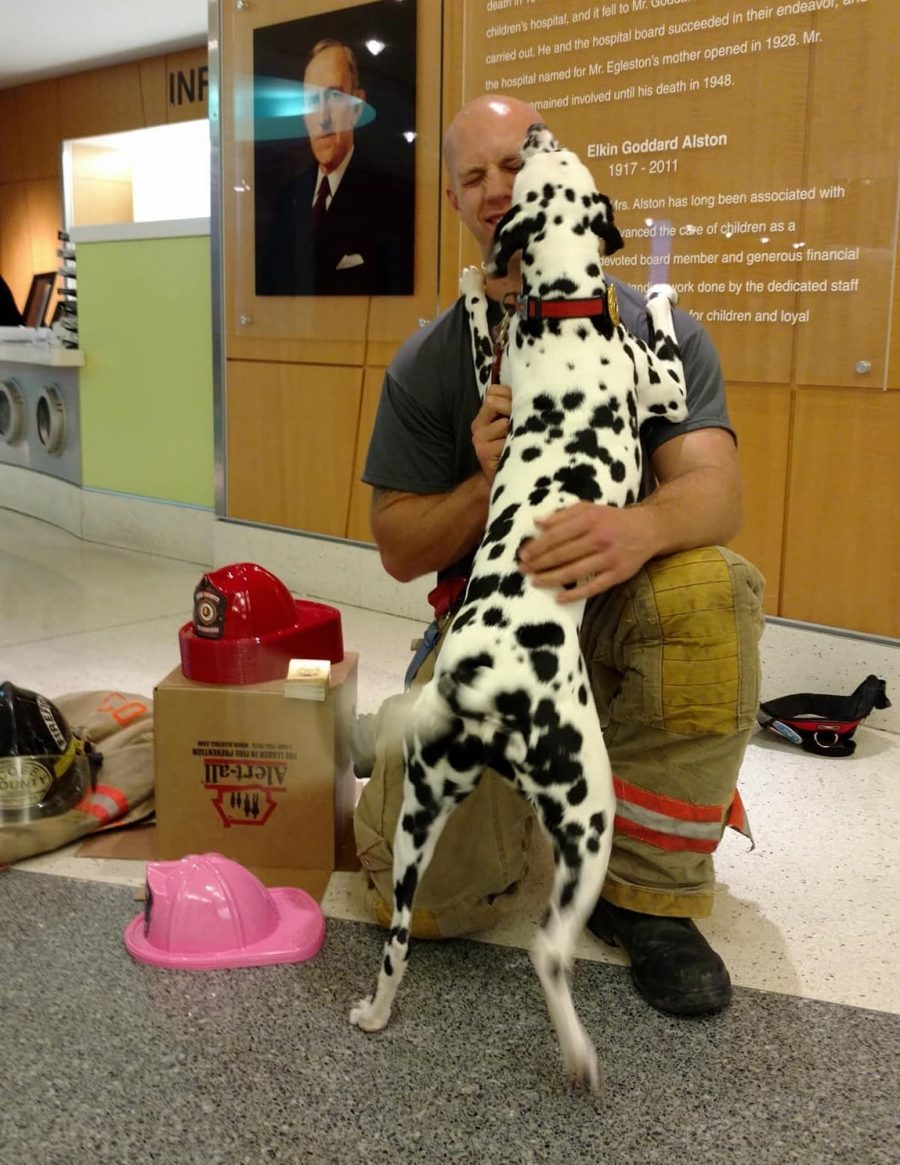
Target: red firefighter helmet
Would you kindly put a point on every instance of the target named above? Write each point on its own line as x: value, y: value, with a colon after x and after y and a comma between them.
x: 247, y: 627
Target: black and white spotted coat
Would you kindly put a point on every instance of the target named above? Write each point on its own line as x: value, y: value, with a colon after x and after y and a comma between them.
x: 510, y: 688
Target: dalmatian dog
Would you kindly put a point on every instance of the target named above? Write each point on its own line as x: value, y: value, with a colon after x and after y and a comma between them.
x: 510, y: 688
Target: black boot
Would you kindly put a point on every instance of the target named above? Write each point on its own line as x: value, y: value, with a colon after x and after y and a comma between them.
x: 673, y: 966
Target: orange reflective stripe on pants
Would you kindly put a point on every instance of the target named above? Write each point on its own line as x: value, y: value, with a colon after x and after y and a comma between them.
x: 670, y: 824
x: 105, y: 802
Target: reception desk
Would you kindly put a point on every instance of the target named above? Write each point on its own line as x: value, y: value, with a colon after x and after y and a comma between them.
x: 40, y: 415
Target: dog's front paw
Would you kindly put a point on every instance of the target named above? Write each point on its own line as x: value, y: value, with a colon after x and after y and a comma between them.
x: 471, y: 282
x: 665, y: 290
x: 578, y: 1055
x: 366, y: 1017
x: 582, y: 1067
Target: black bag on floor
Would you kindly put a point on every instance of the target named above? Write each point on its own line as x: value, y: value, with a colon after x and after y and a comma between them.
x: 823, y: 724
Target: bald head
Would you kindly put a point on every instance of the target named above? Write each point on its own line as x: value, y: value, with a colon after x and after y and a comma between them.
x: 482, y: 155
x: 490, y: 113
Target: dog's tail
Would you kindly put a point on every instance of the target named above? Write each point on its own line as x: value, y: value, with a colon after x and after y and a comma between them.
x: 472, y: 690
x: 466, y: 693
x: 457, y: 700
x: 432, y: 714
x: 457, y: 692
x: 464, y: 687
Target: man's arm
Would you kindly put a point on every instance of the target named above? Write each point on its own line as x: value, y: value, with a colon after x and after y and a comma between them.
x: 698, y: 502
x: 419, y: 534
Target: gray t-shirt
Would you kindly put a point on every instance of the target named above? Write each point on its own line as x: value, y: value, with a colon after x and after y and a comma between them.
x: 422, y: 439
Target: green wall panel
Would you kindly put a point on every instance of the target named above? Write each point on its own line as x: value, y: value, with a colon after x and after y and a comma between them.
x: 146, y: 388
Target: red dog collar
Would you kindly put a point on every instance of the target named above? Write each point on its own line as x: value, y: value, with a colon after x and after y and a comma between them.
x: 532, y: 307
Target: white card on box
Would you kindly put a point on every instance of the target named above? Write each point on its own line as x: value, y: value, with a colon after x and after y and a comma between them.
x: 308, y: 679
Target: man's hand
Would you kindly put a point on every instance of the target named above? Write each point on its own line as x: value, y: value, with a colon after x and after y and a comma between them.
x: 697, y: 502
x: 490, y: 428
x: 596, y: 547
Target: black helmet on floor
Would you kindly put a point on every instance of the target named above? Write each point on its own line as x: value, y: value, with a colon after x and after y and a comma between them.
x: 45, y: 766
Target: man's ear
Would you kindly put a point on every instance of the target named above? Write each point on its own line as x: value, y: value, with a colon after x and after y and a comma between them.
x: 451, y: 198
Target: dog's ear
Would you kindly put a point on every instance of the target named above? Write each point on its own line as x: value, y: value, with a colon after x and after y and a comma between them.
x: 612, y: 240
x: 604, y: 227
x: 511, y: 235
x: 539, y: 138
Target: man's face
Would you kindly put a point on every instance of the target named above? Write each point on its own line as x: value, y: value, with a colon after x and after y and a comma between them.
x: 332, y: 110
x: 482, y: 162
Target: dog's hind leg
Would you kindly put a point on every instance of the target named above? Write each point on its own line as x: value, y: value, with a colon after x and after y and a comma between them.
x: 582, y: 839
x: 430, y: 793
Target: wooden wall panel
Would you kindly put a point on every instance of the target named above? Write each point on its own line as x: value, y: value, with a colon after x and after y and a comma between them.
x: 314, y: 352
x: 292, y: 443
x: 15, y: 239
x: 761, y: 416
x: 37, y: 108
x: 361, y: 495
x: 152, y: 80
x: 100, y: 101
x: 45, y: 217
x: 862, y: 149
x: 842, y: 537
x: 10, y: 139
x: 893, y: 376
x: 457, y: 249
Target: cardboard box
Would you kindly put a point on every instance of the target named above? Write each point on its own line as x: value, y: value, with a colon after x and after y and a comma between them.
x: 249, y: 773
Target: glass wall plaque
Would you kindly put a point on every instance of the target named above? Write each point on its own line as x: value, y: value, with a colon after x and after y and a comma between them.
x: 751, y: 151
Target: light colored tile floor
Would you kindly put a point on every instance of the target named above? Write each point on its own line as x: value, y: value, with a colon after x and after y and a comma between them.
x: 812, y: 911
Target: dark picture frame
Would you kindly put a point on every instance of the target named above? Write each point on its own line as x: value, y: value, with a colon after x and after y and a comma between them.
x: 34, y: 313
x: 367, y: 243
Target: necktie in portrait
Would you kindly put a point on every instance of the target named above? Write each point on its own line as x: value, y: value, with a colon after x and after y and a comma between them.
x: 320, y: 205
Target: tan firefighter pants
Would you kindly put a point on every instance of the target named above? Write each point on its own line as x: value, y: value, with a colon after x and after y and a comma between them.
x: 673, y: 657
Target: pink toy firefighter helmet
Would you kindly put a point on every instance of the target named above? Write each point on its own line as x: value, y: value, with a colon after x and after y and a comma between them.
x: 206, y: 912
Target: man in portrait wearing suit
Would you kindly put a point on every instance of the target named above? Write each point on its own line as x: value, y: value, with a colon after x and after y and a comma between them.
x: 344, y: 226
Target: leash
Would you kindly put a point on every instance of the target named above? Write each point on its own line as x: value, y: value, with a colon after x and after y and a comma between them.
x: 500, y: 336
x: 445, y: 600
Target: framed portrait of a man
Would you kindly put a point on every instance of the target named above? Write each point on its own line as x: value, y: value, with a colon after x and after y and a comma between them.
x: 334, y: 114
